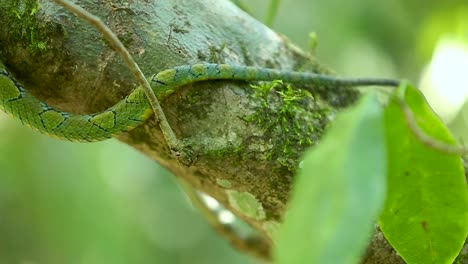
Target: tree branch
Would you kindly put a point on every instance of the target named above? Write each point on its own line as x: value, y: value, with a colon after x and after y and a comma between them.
x: 249, y: 143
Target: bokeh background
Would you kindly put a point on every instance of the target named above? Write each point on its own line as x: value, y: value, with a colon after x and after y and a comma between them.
x: 64, y: 202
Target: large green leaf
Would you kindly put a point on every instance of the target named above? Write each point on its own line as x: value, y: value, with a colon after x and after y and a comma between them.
x: 426, y: 212
x: 339, y: 191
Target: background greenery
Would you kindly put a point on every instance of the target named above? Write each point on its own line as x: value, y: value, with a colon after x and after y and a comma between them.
x: 64, y: 202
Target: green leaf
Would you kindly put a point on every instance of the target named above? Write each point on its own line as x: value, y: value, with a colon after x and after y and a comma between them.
x: 426, y: 212
x: 339, y: 191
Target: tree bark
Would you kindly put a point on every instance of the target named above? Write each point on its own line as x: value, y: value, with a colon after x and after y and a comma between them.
x: 248, y: 145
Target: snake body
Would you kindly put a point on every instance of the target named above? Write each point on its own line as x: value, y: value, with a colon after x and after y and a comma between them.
x: 134, y: 109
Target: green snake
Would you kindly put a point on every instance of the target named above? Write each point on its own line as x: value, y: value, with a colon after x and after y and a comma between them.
x: 134, y: 109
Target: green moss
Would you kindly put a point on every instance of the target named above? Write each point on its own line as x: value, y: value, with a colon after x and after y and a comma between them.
x: 230, y: 151
x: 219, y: 153
x: 291, y: 116
x: 24, y: 25
x: 246, y: 53
x: 216, y: 54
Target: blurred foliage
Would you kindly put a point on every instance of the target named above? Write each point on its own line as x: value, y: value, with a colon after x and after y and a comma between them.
x: 366, y: 37
x: 64, y: 202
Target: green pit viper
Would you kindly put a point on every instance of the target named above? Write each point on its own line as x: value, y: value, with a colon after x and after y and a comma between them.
x: 134, y: 109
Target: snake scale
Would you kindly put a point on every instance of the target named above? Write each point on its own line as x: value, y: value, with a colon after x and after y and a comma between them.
x: 134, y: 109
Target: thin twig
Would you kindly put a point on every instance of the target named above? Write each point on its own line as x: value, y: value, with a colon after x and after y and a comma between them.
x: 422, y: 136
x: 254, y: 245
x: 131, y: 64
x: 260, y: 248
x: 212, y: 218
x: 272, y: 10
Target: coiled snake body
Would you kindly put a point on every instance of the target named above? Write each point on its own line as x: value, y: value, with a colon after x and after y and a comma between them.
x: 134, y: 109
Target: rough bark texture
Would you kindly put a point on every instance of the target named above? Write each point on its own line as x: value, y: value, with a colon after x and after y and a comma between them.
x: 248, y: 145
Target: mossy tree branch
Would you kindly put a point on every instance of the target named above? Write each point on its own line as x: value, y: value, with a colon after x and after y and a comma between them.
x: 249, y: 140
